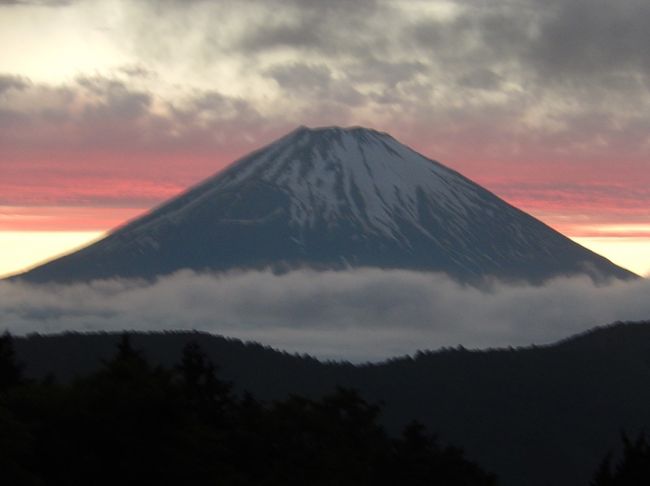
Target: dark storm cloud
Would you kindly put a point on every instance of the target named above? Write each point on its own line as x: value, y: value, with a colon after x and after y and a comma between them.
x: 357, y: 314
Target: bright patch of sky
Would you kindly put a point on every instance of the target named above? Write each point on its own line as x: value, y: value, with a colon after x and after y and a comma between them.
x: 631, y: 253
x: 55, y: 45
x: 24, y: 249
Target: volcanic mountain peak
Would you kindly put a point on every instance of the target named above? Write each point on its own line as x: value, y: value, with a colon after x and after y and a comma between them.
x: 334, y: 198
x: 355, y: 174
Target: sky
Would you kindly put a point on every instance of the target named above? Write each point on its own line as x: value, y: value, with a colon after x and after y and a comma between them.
x: 109, y: 107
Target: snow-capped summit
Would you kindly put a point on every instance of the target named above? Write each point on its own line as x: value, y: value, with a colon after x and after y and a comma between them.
x: 331, y: 198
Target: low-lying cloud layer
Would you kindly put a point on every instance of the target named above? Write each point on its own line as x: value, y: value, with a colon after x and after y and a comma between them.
x: 364, y: 314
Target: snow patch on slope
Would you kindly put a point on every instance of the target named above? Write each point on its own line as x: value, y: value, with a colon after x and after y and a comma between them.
x: 358, y: 175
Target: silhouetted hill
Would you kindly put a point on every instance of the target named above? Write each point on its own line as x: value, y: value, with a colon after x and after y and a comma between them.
x: 536, y: 416
x: 131, y: 423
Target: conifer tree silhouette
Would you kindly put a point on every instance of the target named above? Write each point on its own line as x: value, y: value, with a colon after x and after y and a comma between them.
x: 200, y: 376
x: 632, y: 469
x: 131, y: 423
x: 10, y: 371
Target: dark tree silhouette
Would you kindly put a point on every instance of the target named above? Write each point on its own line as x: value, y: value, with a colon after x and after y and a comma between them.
x: 130, y: 423
x: 603, y: 475
x: 199, y: 376
x: 10, y: 371
x: 550, y: 410
x: 632, y: 469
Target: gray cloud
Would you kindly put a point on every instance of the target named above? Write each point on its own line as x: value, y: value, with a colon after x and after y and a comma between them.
x: 301, y: 34
x: 575, y: 45
x: 107, y: 113
x: 552, y: 46
x: 137, y: 71
x: 358, y: 314
x: 497, y: 66
x: 582, y: 37
x: 480, y: 79
x: 11, y: 82
x: 315, y: 82
x: 311, y: 25
x: 301, y: 77
x: 115, y: 101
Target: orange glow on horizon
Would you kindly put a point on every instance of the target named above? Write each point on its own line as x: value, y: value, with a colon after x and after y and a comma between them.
x: 25, y: 249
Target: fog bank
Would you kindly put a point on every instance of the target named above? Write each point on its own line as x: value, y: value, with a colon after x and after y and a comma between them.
x: 363, y: 314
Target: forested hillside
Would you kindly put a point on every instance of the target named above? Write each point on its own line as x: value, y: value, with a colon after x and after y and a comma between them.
x: 131, y: 423
x: 534, y: 416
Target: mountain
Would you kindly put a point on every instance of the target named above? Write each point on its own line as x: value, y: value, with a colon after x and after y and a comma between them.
x: 334, y: 198
x: 535, y: 416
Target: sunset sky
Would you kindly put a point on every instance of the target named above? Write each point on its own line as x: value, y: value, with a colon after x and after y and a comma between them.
x: 109, y: 107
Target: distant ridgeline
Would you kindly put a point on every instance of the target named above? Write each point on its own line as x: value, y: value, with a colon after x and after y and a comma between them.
x: 534, y: 416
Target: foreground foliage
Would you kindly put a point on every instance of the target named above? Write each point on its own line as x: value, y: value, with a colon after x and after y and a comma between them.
x: 536, y: 416
x: 632, y: 469
x: 134, y: 423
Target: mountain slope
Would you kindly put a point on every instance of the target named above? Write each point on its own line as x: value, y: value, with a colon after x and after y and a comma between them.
x: 333, y: 198
x: 535, y: 416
